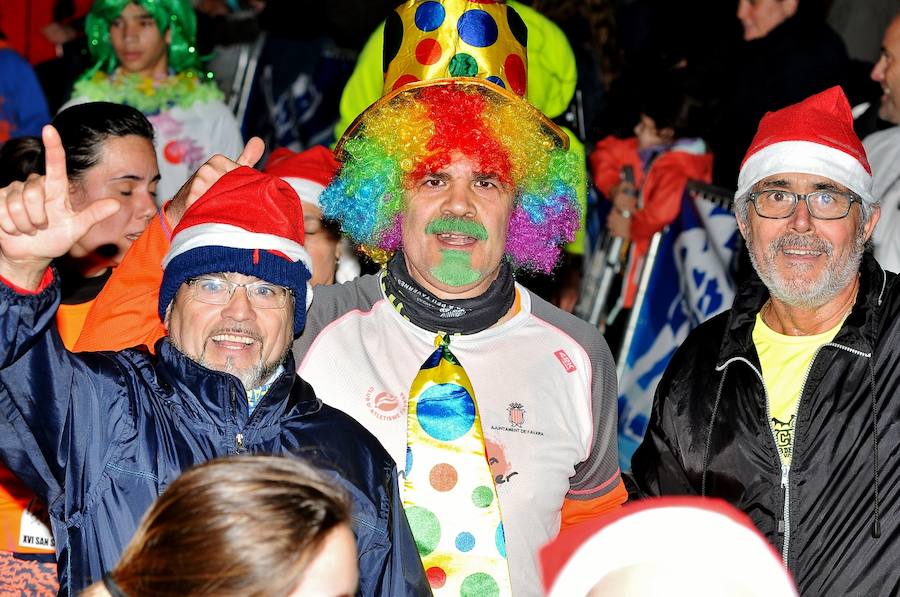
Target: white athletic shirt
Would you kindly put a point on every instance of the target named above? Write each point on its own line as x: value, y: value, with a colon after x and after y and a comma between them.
x: 544, y: 382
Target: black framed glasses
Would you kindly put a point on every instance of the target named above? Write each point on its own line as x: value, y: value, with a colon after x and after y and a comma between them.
x: 777, y: 204
x: 218, y: 291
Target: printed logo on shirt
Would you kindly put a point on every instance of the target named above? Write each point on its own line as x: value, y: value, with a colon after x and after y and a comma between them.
x: 384, y: 406
x: 501, y: 467
x: 567, y: 363
x: 784, y: 436
x: 516, y: 414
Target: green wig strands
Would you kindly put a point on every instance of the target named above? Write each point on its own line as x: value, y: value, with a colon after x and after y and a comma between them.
x: 176, y: 16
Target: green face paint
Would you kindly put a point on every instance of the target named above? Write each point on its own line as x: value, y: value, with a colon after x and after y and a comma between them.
x: 455, y: 268
x: 457, y: 226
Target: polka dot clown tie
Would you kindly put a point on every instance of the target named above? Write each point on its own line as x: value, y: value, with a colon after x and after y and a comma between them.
x: 448, y: 490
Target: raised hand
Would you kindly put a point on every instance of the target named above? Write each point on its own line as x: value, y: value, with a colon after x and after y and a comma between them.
x: 208, y: 174
x: 37, y: 222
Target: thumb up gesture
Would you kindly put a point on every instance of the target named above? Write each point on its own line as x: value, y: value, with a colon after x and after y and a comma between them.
x: 37, y: 222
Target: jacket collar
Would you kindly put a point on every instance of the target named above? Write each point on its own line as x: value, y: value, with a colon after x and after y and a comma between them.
x: 858, y: 331
x: 222, y: 396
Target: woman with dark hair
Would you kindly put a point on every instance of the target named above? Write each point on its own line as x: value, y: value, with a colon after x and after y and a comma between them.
x: 241, y: 526
x: 109, y: 153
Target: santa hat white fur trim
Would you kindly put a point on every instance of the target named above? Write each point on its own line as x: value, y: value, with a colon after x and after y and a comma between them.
x: 234, y: 237
x: 806, y: 157
x: 667, y: 535
x: 308, y: 190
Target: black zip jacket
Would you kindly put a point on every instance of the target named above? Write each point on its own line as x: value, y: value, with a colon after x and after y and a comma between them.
x: 835, y: 512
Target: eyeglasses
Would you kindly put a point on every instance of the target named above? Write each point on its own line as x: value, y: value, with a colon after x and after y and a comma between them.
x: 823, y: 205
x: 218, y: 291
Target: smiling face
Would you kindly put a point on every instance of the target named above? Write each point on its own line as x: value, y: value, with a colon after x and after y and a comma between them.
x: 126, y: 171
x: 759, y: 17
x: 238, y: 338
x: 805, y: 262
x: 138, y: 43
x: 887, y: 73
x: 454, y: 229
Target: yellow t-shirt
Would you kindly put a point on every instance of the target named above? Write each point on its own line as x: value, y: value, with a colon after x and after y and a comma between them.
x: 785, y: 362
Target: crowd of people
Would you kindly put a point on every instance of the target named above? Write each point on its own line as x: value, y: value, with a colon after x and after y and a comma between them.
x: 231, y: 368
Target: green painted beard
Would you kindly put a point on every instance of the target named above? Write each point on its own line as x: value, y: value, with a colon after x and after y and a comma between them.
x: 455, y: 268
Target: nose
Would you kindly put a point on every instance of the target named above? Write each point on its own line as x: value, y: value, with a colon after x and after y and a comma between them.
x: 146, y: 207
x: 459, y: 200
x: 877, y: 73
x: 238, y: 307
x: 131, y: 30
x: 801, y: 220
x: 743, y: 10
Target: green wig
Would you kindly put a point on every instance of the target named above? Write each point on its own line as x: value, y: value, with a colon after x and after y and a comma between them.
x: 176, y: 16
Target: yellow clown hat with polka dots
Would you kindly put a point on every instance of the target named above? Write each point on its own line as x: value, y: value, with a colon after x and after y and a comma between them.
x: 478, y: 43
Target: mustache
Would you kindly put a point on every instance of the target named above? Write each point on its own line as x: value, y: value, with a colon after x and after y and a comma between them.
x: 801, y: 241
x: 238, y: 331
x: 457, y: 226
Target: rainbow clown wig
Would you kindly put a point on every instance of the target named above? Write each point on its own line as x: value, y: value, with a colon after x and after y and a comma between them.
x: 405, y: 136
x: 176, y: 16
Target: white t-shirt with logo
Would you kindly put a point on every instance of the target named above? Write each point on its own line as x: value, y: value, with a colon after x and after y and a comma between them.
x: 544, y: 382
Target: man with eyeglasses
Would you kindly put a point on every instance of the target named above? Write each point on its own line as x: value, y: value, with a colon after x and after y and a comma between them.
x: 98, y: 436
x: 785, y: 406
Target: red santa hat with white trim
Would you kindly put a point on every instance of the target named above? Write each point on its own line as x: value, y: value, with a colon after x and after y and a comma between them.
x: 665, y: 546
x: 248, y: 223
x: 814, y: 136
x: 309, y: 172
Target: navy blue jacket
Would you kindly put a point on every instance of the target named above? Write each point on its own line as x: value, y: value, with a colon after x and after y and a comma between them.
x: 99, y: 436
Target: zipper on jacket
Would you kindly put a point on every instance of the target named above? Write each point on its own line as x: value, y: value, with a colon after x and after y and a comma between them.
x: 239, y: 436
x: 784, y: 525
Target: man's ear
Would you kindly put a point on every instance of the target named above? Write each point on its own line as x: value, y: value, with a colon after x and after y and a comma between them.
x: 168, y: 314
x: 873, y: 220
x: 168, y: 36
x: 742, y: 226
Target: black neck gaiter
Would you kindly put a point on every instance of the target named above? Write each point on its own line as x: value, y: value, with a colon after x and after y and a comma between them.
x: 463, y: 316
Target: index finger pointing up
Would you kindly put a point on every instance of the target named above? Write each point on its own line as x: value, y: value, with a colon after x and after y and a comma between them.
x: 56, y: 181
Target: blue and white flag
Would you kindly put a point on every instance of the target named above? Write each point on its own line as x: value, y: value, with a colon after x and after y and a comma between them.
x: 690, y: 281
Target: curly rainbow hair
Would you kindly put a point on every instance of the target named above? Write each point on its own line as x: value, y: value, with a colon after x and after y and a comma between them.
x: 416, y: 132
x: 176, y: 16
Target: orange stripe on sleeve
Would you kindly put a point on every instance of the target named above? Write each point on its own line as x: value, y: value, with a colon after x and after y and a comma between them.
x: 576, y: 511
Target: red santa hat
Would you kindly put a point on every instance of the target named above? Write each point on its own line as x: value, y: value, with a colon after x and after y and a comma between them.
x: 308, y: 172
x: 670, y: 539
x: 814, y: 136
x: 249, y: 223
